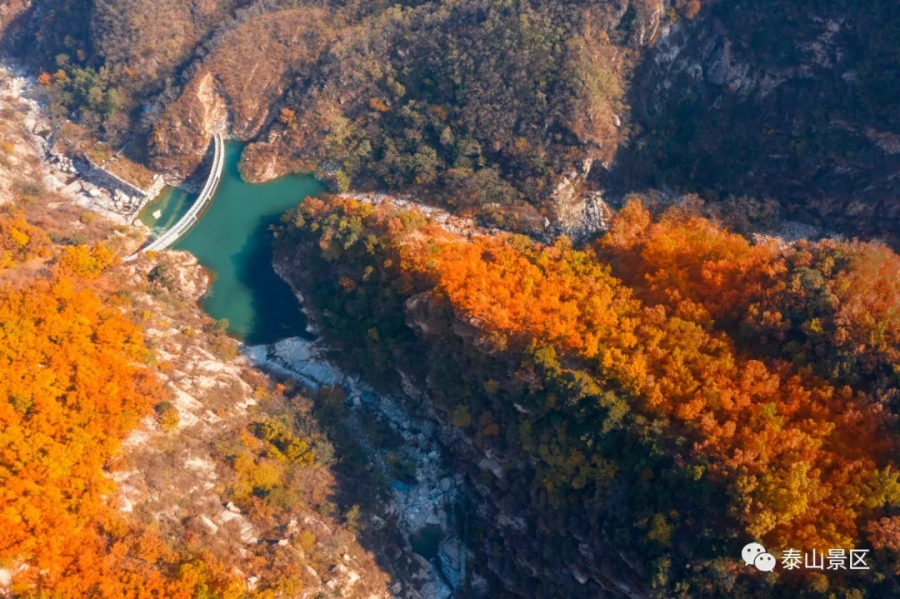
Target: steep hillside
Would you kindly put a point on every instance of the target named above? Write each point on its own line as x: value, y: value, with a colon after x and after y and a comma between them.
x: 543, y: 396
x: 143, y: 456
x: 512, y: 111
x: 795, y: 100
x: 526, y: 102
x: 571, y: 399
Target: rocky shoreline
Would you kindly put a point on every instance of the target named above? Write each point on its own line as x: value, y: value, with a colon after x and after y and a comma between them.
x: 423, y: 506
x: 504, y: 552
x: 87, y: 185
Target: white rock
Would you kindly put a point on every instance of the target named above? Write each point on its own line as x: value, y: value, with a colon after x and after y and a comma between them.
x: 213, y: 528
x: 492, y: 465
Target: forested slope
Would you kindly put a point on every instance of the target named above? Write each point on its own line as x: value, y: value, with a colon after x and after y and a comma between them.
x: 630, y: 409
x: 130, y: 462
x: 517, y: 111
x: 74, y: 386
x: 478, y: 103
x: 752, y: 383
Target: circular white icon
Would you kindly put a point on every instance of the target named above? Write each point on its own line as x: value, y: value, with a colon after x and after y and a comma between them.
x: 750, y: 551
x: 764, y: 562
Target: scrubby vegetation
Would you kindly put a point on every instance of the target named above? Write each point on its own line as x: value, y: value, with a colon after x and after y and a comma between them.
x: 619, y: 387
x: 81, y: 378
x: 489, y: 106
x: 756, y: 383
x: 491, y: 102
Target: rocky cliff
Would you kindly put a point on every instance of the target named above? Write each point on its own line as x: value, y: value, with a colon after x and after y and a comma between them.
x: 796, y: 101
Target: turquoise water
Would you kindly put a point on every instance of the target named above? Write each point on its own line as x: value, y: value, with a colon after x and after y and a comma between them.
x: 163, y: 212
x: 233, y: 240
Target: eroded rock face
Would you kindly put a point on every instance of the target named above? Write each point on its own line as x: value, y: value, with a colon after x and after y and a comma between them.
x: 237, y: 88
x: 579, y: 212
x: 181, y: 272
x: 423, y: 505
x: 253, y: 76
x: 182, y: 136
x: 791, y: 100
x: 260, y: 163
x: 176, y: 476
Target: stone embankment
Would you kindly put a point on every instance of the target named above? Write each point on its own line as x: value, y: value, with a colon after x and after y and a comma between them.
x: 126, y: 197
x: 102, y: 191
x: 88, y: 184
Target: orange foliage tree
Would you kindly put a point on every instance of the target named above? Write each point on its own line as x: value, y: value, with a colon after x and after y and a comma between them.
x: 831, y: 305
x: 19, y: 240
x: 72, y: 386
x: 691, y: 264
x: 803, y: 462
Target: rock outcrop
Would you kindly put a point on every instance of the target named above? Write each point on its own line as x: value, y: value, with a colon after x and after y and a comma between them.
x: 579, y: 212
x: 237, y: 87
x: 178, y: 478
x: 181, y: 138
x: 421, y: 506
x: 785, y: 100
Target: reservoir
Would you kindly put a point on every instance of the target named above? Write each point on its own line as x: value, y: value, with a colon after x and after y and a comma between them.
x: 232, y: 239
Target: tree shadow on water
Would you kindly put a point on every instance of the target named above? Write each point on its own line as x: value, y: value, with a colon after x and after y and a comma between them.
x: 275, y: 309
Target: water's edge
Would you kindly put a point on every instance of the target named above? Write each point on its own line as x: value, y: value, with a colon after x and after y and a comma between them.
x: 420, y: 507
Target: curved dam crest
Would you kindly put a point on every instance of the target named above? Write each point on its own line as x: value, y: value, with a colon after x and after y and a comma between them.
x: 232, y: 239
